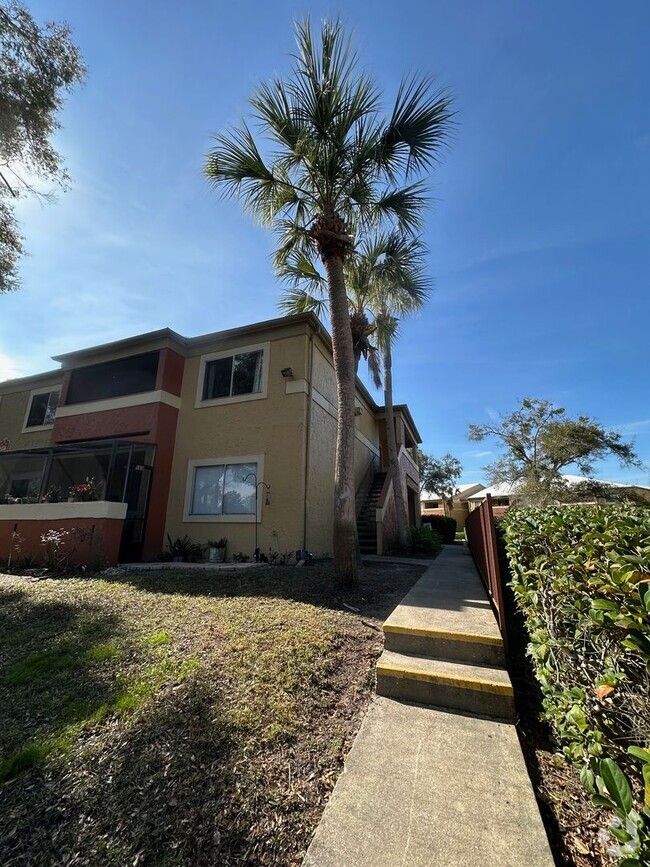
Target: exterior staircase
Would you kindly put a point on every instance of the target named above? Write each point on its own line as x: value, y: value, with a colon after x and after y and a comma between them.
x: 366, y: 524
x: 442, y: 646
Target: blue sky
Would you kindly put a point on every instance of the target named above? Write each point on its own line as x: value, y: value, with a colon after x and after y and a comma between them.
x: 539, y: 238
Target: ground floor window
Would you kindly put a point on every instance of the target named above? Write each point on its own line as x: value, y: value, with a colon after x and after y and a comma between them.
x: 224, y: 489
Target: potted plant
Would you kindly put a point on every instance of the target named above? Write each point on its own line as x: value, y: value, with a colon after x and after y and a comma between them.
x: 84, y: 492
x: 54, y: 494
x: 181, y: 549
x: 217, y: 550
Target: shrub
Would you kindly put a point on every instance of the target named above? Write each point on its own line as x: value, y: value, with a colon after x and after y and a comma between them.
x: 184, y: 547
x: 445, y: 527
x: 425, y: 541
x: 61, y: 545
x: 581, y: 576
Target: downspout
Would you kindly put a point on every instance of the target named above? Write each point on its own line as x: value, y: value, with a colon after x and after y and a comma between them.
x: 308, y: 408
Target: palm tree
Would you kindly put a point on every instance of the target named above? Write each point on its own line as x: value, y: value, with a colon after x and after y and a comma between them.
x: 336, y: 166
x: 385, y: 281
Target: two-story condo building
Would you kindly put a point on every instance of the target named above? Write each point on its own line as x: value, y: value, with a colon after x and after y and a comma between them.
x: 229, y: 434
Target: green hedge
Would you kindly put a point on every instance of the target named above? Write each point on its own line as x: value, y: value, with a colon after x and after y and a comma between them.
x: 445, y: 527
x: 581, y: 577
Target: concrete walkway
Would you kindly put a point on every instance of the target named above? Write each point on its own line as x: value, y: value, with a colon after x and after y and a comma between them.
x: 424, y: 785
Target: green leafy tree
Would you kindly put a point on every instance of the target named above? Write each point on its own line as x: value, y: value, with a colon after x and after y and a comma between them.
x: 38, y: 66
x: 440, y: 476
x: 336, y: 167
x: 385, y: 281
x: 540, y: 441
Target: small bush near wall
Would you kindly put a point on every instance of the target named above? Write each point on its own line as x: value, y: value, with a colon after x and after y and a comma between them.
x: 445, y: 527
x: 581, y: 576
x: 425, y: 541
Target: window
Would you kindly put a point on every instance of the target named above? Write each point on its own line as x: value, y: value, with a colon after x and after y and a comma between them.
x: 432, y: 504
x: 42, y: 409
x: 227, y: 377
x: 117, y: 378
x: 222, y: 489
x: 237, y: 374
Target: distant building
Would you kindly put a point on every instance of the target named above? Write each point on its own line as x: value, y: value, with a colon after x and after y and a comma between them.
x: 432, y: 503
x: 503, y: 495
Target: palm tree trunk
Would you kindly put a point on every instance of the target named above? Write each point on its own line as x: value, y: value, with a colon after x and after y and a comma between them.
x: 345, y: 526
x: 393, y: 462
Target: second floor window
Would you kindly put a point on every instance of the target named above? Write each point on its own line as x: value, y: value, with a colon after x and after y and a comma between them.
x: 233, y: 375
x: 42, y: 409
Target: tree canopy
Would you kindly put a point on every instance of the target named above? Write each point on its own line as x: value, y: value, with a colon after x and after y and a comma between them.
x: 38, y: 66
x: 540, y: 441
x: 440, y: 476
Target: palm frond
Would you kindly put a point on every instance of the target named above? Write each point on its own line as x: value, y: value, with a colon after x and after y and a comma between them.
x: 402, y: 206
x: 300, y: 268
x: 297, y: 300
x: 326, y: 150
x: 386, y: 329
x: 273, y: 107
x: 417, y: 129
x: 291, y: 239
x: 374, y: 368
x: 237, y: 167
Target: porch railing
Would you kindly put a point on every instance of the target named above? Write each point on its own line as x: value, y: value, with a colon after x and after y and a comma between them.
x: 482, y: 543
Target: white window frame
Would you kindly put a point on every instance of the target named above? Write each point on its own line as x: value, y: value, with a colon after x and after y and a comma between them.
x: 229, y: 353
x: 223, y: 519
x: 32, y: 395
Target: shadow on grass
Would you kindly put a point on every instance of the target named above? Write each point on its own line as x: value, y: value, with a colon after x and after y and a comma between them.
x: 381, y: 585
x: 52, y: 675
x: 171, y: 786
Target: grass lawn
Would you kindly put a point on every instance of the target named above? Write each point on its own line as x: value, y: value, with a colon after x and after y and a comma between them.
x: 180, y: 719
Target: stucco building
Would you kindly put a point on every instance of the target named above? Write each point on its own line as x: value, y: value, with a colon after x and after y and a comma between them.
x: 221, y: 435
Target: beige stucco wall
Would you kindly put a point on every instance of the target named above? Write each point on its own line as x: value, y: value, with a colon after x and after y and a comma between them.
x: 13, y: 409
x: 273, y: 426
x: 322, y: 448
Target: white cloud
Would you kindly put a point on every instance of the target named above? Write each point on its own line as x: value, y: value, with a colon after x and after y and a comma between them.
x: 8, y: 368
x: 632, y: 427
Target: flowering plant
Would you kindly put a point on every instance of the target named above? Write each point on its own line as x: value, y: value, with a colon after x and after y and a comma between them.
x: 84, y: 492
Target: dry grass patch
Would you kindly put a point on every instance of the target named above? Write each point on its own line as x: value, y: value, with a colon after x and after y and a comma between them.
x: 175, y: 719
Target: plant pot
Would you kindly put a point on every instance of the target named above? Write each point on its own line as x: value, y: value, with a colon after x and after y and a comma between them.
x: 216, y: 555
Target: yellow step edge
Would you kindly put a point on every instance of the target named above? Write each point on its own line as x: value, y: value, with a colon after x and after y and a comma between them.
x: 423, y: 632
x: 447, y: 679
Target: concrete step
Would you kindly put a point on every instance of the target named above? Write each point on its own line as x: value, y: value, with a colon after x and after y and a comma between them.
x: 444, y: 644
x: 479, y: 689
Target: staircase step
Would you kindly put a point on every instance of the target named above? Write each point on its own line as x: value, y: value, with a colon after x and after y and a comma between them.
x: 366, y: 524
x: 444, y: 644
x: 445, y: 683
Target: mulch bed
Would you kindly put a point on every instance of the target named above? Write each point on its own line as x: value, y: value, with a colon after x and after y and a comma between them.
x: 180, y: 719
